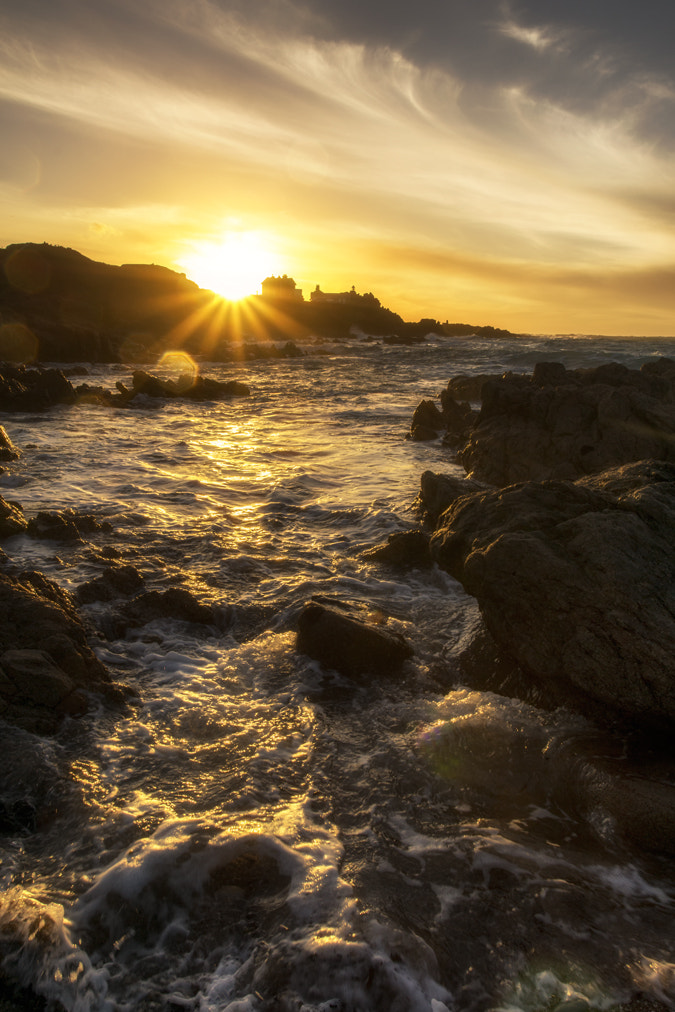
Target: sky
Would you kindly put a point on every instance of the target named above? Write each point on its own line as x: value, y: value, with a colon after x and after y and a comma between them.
x: 480, y: 161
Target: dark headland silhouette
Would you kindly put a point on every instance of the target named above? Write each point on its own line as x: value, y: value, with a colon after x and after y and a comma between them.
x: 58, y: 305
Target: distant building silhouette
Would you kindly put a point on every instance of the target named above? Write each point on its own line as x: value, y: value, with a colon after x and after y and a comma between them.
x: 345, y: 298
x: 281, y: 288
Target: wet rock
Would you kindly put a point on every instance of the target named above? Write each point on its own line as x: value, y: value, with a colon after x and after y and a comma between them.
x: 458, y: 418
x: 575, y: 582
x: 468, y: 388
x: 175, y: 603
x: 439, y: 491
x: 33, y: 676
x: 8, y: 450
x: 562, y: 423
x: 117, y: 581
x: 66, y: 525
x: 404, y: 548
x: 23, y: 389
x: 37, y: 686
x: 198, y: 388
x: 349, y: 645
x: 12, y: 520
x: 427, y: 421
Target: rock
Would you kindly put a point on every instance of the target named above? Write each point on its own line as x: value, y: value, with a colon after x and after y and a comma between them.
x: 66, y: 525
x: 468, y: 388
x: 197, y: 388
x: 23, y: 389
x: 458, y: 418
x: 114, y: 582
x: 439, y: 491
x: 404, y: 548
x: 32, y: 675
x: 8, y: 450
x: 174, y: 603
x: 349, y: 645
x: 427, y: 421
x: 575, y: 581
x: 565, y: 424
x: 12, y: 520
x: 37, y: 686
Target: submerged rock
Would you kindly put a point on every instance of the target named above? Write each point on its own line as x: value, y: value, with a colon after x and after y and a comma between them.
x: 349, y: 645
x: 576, y: 580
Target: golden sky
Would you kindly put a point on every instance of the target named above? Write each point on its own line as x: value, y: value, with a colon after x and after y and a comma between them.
x: 491, y: 163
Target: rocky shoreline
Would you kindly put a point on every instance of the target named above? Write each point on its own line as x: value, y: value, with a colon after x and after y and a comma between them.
x: 563, y: 527
x: 573, y: 567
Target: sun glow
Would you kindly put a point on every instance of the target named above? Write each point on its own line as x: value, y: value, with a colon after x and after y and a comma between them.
x: 233, y: 265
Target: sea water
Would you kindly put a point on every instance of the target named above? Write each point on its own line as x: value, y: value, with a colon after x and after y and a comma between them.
x: 258, y: 833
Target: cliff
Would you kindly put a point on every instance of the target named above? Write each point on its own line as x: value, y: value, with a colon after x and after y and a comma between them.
x: 57, y: 305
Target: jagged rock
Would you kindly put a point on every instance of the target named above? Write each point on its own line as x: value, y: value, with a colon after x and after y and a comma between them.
x: 23, y: 389
x: 575, y: 581
x: 38, y: 686
x: 175, y: 603
x: 468, y: 388
x: 114, y: 582
x: 458, y: 418
x: 66, y: 525
x: 439, y: 491
x: 197, y: 388
x: 12, y: 520
x: 562, y: 423
x: 349, y: 645
x: 8, y: 450
x: 403, y: 548
x: 427, y: 421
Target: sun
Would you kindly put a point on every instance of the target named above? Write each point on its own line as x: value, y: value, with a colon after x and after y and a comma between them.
x: 232, y: 265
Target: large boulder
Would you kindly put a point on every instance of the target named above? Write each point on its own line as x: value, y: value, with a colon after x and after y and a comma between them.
x: 561, y: 423
x: 46, y: 662
x: 349, y: 645
x: 576, y: 582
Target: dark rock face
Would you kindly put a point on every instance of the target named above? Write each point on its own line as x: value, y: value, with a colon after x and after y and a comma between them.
x: 439, y: 491
x: 576, y: 581
x: 427, y: 421
x: 562, y: 423
x: 7, y: 449
x: 196, y: 388
x: 348, y: 645
x: 175, y: 603
x: 404, y: 548
x: 117, y: 581
x: 45, y: 659
x: 37, y: 389
x: 66, y: 525
x: 12, y: 520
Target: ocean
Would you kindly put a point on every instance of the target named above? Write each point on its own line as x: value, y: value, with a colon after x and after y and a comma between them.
x: 256, y: 833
